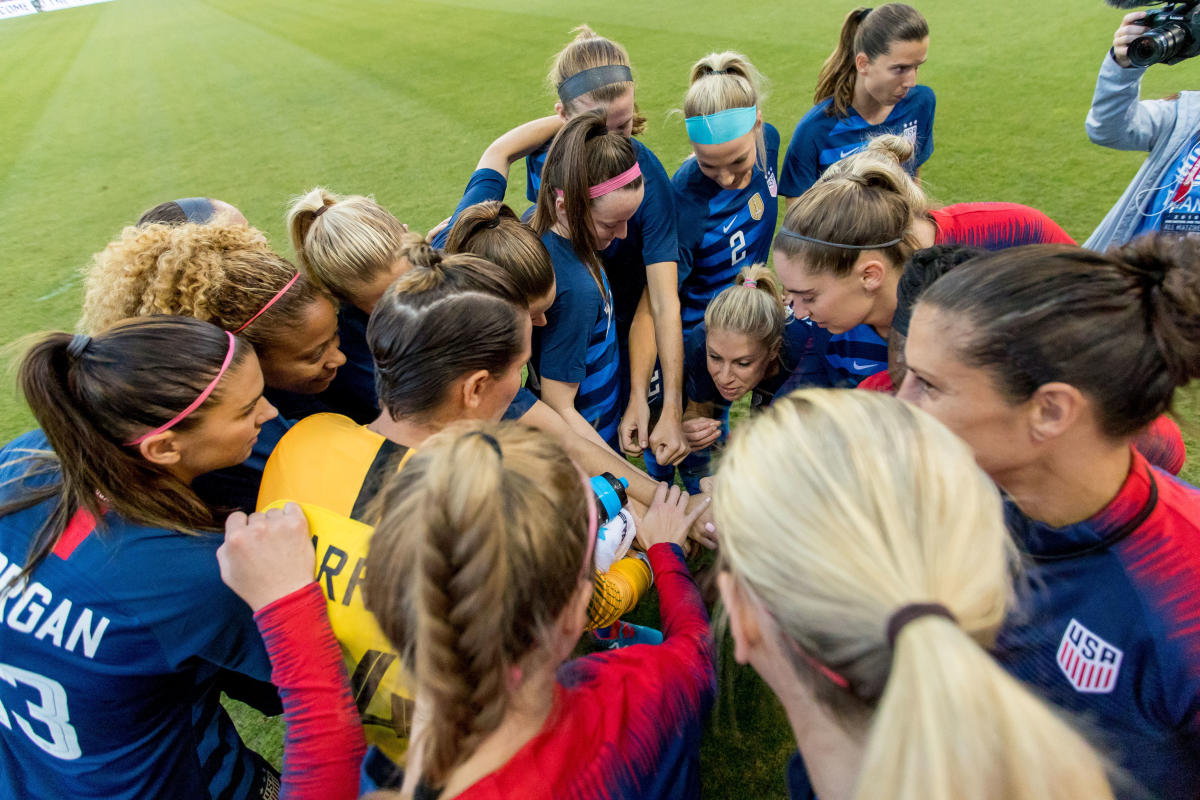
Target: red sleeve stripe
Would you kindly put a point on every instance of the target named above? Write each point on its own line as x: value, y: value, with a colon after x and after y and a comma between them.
x: 77, y: 530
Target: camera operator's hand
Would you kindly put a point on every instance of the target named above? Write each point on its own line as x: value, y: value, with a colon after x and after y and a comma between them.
x: 1126, y: 34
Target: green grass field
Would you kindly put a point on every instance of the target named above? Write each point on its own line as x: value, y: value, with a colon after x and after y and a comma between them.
x: 108, y: 109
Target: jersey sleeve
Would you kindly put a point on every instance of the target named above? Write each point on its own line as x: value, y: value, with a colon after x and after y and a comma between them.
x: 564, y: 339
x: 801, y: 162
x: 520, y: 405
x: 485, y: 184
x: 686, y: 632
x: 698, y: 383
x: 925, y: 128
x: 655, y: 217
x: 324, y: 743
x: 810, y: 368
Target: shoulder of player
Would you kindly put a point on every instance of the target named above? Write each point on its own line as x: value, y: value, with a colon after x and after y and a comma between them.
x: 771, y: 136
x: 816, y: 122
x: 920, y: 96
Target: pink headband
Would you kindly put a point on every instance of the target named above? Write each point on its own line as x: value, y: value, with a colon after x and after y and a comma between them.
x: 750, y: 283
x: 270, y: 302
x: 612, y: 184
x: 195, y: 403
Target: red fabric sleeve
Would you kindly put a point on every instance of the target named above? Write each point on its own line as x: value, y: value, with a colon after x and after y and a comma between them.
x: 684, y: 619
x: 324, y: 744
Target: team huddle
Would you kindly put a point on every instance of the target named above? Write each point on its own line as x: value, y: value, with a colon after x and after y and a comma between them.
x: 384, y: 488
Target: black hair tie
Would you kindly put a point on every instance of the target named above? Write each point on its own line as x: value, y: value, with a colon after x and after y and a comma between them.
x: 491, y: 441
x: 864, y: 14
x: 912, y: 612
x: 78, y: 344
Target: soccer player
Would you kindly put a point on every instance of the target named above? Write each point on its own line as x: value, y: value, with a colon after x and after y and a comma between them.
x: 726, y: 196
x: 867, y: 86
x: 226, y: 275
x: 117, y: 624
x: 1048, y: 360
x: 865, y: 569
x: 591, y: 186
x: 592, y: 74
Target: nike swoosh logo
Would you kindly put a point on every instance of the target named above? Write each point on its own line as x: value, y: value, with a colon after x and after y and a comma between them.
x: 728, y: 225
x: 844, y: 153
x: 857, y: 365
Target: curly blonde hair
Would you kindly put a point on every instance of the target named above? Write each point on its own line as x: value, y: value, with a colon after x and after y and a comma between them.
x: 216, y: 273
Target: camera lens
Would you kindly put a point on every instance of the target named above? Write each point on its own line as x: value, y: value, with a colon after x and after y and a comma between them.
x: 1158, y: 45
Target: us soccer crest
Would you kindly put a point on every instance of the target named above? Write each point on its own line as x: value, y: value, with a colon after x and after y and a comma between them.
x: 756, y: 206
x: 1090, y: 663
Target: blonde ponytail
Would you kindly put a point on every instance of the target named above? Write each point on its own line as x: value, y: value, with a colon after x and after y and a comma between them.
x: 837, y: 509
x: 342, y: 242
x: 479, y: 548
x: 883, y: 161
x: 721, y: 81
x: 753, y: 306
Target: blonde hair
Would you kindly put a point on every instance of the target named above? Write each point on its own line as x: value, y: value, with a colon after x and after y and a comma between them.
x: 838, y: 508
x: 479, y: 548
x: 886, y: 153
x: 586, y: 51
x: 870, y: 31
x: 215, y: 273
x: 721, y: 81
x: 864, y: 203
x: 756, y: 311
x: 349, y: 244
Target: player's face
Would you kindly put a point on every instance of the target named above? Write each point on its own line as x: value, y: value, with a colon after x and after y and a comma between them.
x: 503, y: 388
x: 307, y: 359
x: 618, y: 113
x: 611, y: 213
x: 539, y: 306
x: 836, y: 304
x: 736, y: 362
x: 891, y: 75
x: 367, y: 295
x: 229, y: 428
x: 729, y: 165
x: 966, y: 399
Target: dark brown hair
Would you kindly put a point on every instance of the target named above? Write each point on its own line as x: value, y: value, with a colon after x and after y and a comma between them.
x: 480, y: 547
x: 1123, y: 327
x: 868, y: 31
x: 91, y: 397
x: 445, y: 317
x: 492, y: 231
x: 584, y: 153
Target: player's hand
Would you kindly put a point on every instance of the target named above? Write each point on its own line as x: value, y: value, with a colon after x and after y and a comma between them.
x: 1126, y: 34
x: 704, y: 529
x: 667, y: 441
x: 635, y: 426
x: 436, y: 229
x: 701, y: 432
x: 266, y: 556
x: 668, y: 519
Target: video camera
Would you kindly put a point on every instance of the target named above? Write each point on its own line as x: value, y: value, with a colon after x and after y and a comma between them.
x: 1174, y: 34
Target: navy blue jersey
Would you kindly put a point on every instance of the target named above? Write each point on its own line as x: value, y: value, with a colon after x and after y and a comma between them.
x: 1109, y: 626
x: 485, y: 184
x: 520, y: 405
x: 820, y: 139
x: 578, y: 343
x: 839, y: 360
x: 109, y: 656
x: 652, y: 236
x: 722, y: 230
x: 352, y: 392
x: 699, y: 383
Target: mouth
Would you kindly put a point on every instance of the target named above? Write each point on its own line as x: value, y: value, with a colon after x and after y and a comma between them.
x: 730, y: 392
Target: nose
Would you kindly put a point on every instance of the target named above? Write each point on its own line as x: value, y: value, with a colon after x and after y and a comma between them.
x: 622, y: 230
x: 336, y: 359
x: 726, y: 180
x: 539, y: 319
x: 725, y: 373
x: 908, y: 389
x: 266, y: 411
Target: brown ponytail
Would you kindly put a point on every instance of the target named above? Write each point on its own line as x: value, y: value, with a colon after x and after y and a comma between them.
x: 871, y: 32
x: 1123, y: 327
x: 444, y: 318
x: 589, y: 50
x: 480, y: 548
x: 91, y: 397
x: 584, y: 153
x: 492, y: 231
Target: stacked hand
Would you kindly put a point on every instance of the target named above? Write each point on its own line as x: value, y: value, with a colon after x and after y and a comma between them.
x: 266, y: 556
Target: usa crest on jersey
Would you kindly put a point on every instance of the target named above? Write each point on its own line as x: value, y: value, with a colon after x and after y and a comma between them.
x: 1090, y: 663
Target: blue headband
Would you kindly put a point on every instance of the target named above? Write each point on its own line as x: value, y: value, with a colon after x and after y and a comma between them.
x: 723, y: 126
x: 198, y: 210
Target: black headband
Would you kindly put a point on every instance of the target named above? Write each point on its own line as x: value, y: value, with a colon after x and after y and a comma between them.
x: 591, y: 79
x: 198, y: 210
x: 802, y: 237
x: 912, y: 612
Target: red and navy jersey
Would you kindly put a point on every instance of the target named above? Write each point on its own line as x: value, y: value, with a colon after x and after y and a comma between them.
x: 626, y: 723
x: 1108, y: 626
x: 722, y: 230
x: 995, y: 226
x: 821, y: 138
x: 109, y: 655
x: 839, y: 360
x: 652, y: 236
